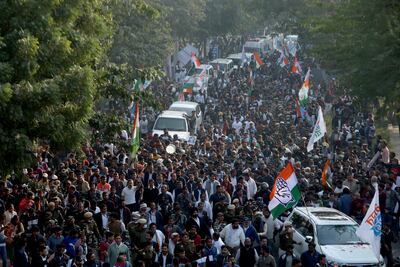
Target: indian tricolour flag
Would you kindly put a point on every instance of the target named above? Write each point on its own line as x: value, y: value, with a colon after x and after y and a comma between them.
x: 326, y: 173
x: 196, y: 61
x: 285, y: 192
x: 303, y: 93
x: 258, y: 59
x: 135, y: 129
x: 296, y: 68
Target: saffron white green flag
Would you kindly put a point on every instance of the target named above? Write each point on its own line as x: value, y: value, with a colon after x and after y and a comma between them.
x: 303, y: 93
x: 370, y: 228
x: 285, y: 193
x: 135, y: 142
x: 319, y: 130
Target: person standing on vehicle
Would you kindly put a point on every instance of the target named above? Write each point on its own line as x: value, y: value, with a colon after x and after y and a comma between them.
x: 286, y: 238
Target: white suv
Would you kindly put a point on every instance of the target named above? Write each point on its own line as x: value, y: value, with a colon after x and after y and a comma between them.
x: 334, y: 234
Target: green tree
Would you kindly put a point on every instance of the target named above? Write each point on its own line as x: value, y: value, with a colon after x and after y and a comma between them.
x: 359, y: 41
x: 183, y: 16
x: 142, y: 38
x: 49, y: 52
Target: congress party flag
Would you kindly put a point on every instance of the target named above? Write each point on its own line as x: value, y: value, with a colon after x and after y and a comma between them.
x: 319, y: 130
x: 370, y: 228
x: 285, y: 192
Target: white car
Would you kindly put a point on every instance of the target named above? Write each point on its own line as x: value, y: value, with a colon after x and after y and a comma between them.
x: 175, y: 122
x: 188, y: 107
x: 334, y: 234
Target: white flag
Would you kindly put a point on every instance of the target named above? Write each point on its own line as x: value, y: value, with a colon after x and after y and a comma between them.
x: 318, y: 132
x: 370, y: 228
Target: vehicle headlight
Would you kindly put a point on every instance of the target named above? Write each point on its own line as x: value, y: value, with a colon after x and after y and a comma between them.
x: 381, y: 263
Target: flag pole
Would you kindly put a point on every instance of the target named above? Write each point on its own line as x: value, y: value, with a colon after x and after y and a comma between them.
x: 309, y: 217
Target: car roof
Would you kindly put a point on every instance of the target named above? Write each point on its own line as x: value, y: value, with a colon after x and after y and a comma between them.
x: 239, y: 55
x: 222, y: 60
x: 325, y: 216
x: 172, y: 114
x: 185, y: 104
x: 205, y: 66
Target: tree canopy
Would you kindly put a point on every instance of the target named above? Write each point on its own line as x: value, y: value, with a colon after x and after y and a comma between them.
x: 48, y: 53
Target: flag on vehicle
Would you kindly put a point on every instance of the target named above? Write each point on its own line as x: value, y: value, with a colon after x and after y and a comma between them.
x: 370, y: 229
x: 319, y: 130
x: 285, y: 192
x: 326, y: 173
x: 195, y: 61
x: 188, y: 87
x: 303, y: 93
x: 135, y: 141
x: 296, y: 68
x: 258, y: 59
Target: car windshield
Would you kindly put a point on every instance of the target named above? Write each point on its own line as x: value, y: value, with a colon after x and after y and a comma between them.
x: 172, y: 124
x: 337, y: 234
x: 188, y: 111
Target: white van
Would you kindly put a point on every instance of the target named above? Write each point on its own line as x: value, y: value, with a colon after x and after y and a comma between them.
x: 202, y: 75
x: 175, y: 122
x: 334, y: 234
x: 188, y: 107
x: 238, y: 60
x: 223, y: 64
x: 258, y: 45
x: 209, y: 70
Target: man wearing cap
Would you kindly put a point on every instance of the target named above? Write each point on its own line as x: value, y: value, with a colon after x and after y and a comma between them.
x: 137, y: 235
x: 250, y: 231
x: 90, y: 229
x: 310, y: 257
x: 233, y: 235
x: 286, y: 238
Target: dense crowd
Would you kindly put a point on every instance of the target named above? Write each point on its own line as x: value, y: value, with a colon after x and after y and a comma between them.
x: 207, y: 203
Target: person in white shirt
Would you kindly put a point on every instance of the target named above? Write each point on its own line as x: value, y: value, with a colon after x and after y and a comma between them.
x: 144, y: 125
x: 237, y: 125
x: 250, y: 185
x: 233, y: 235
x: 199, y: 98
x: 217, y: 242
x: 129, y: 195
x: 158, y: 236
x: 9, y: 213
x: 207, y: 206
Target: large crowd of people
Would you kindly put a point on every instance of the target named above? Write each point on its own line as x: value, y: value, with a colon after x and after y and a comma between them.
x: 207, y: 203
